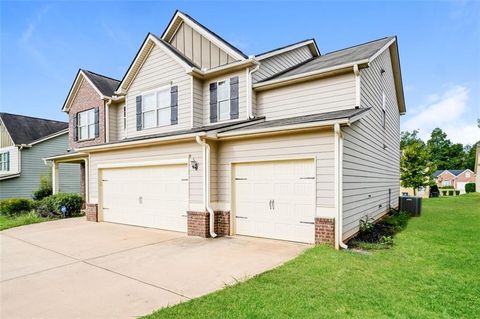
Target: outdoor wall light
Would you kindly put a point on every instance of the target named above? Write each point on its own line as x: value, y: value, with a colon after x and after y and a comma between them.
x: 194, y: 164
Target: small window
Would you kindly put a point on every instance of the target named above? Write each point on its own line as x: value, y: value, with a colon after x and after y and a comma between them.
x: 124, y: 117
x: 156, y: 108
x: 86, y: 124
x: 446, y: 183
x: 223, y: 100
x: 4, y: 162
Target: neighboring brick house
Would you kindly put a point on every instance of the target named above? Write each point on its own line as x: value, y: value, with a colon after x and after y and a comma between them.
x: 200, y: 138
x: 456, y: 178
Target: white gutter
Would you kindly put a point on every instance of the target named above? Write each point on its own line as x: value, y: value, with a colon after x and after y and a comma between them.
x: 339, y: 187
x: 250, y: 90
x: 206, y: 183
x: 107, y: 120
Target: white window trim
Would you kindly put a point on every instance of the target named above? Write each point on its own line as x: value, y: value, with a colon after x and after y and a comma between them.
x: 155, y: 91
x: 3, y: 162
x: 227, y: 82
x: 87, y: 125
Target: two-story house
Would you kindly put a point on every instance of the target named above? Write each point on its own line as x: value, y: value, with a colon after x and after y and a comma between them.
x: 199, y: 138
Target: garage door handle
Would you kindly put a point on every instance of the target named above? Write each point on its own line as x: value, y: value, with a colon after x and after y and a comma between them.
x: 302, y: 222
x: 240, y: 179
x: 241, y: 217
x: 307, y: 177
x: 184, y: 215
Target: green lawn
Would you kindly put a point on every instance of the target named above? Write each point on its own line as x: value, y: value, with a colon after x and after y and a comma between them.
x: 20, y: 220
x: 433, y: 271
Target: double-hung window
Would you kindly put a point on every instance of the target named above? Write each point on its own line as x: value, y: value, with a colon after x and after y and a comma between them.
x: 4, y: 162
x: 223, y: 100
x: 156, y: 108
x: 86, y: 125
x: 124, y: 118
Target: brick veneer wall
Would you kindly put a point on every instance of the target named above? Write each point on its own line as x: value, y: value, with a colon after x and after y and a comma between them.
x: 82, y: 180
x: 91, y: 211
x: 325, y: 231
x: 86, y: 98
x: 198, y: 223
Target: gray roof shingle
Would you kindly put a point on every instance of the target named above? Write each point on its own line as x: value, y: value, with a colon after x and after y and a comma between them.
x: 348, y: 55
x: 104, y: 84
x: 25, y: 129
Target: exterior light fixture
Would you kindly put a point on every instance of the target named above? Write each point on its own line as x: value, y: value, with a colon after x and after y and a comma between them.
x: 194, y: 164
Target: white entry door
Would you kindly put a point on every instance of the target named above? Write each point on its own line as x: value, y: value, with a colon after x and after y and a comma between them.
x: 275, y: 199
x: 153, y: 196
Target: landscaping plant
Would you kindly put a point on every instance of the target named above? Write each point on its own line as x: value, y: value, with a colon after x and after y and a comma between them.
x: 470, y: 188
x: 16, y: 206
x: 52, y: 205
x: 45, y: 188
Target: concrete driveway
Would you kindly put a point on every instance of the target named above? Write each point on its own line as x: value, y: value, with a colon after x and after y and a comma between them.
x: 77, y: 269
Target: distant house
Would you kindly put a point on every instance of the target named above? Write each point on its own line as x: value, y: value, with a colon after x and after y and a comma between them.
x: 457, y: 178
x: 24, y: 142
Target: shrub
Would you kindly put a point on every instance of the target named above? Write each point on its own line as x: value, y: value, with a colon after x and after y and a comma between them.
x: 398, y: 220
x: 16, y: 206
x: 457, y: 192
x: 450, y: 193
x: 444, y: 193
x: 52, y: 205
x: 44, y: 190
x: 447, y: 187
x: 470, y: 188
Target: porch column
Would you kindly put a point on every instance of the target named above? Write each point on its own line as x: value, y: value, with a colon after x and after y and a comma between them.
x: 55, y: 178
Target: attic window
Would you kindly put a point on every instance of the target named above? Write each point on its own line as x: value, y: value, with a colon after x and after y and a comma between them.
x: 4, y: 162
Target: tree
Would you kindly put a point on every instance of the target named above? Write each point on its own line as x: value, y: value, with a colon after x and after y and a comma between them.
x: 408, y: 138
x: 470, y: 154
x: 438, y: 147
x: 416, y: 169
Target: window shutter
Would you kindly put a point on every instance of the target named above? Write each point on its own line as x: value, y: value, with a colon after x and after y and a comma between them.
x: 7, y: 158
x: 75, y: 128
x: 97, y: 123
x: 174, y: 105
x: 139, y: 112
x: 213, y: 102
x: 234, y: 98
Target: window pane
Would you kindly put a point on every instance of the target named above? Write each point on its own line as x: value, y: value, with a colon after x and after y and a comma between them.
x: 149, y: 119
x: 91, y: 116
x: 223, y: 91
x: 91, y: 131
x: 163, y: 98
x: 83, y: 133
x: 148, y: 102
x: 164, y: 116
x: 224, y: 110
x: 81, y: 119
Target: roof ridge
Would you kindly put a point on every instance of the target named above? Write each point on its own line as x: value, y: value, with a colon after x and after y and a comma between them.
x: 103, y: 76
x: 33, y: 117
x: 284, y: 47
x: 357, y: 45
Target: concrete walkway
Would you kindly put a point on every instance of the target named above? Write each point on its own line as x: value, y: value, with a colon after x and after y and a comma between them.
x: 77, y: 269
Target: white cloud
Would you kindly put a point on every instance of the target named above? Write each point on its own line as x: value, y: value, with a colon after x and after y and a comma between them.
x: 448, y: 111
x: 32, y: 25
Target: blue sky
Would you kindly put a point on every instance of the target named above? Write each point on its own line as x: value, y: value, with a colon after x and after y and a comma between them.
x: 44, y: 43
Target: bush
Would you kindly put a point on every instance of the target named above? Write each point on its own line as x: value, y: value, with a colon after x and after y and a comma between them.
x: 450, y: 193
x: 447, y: 187
x: 52, y: 205
x: 444, y: 193
x: 398, y: 220
x: 44, y: 190
x: 470, y: 188
x: 16, y: 206
x: 457, y: 192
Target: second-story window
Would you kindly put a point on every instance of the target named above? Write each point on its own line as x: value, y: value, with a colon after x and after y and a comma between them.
x: 223, y: 100
x: 124, y: 117
x: 86, y: 124
x: 4, y: 162
x: 156, y: 108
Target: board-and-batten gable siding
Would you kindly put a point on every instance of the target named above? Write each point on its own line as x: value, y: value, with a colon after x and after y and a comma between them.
x: 33, y: 167
x: 242, y: 95
x: 275, y: 64
x: 318, y: 145
x: 159, y: 70
x: 113, y: 122
x: 197, y: 102
x: 199, y: 49
x: 369, y: 170
x: 312, y: 97
x: 5, y: 139
x: 174, y: 151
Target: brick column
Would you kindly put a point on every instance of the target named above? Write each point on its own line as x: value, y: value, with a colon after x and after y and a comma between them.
x: 198, y: 223
x: 91, y: 211
x: 82, y: 180
x: 325, y: 231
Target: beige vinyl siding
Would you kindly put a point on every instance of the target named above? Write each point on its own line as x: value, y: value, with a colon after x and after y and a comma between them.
x: 113, y: 123
x: 5, y: 139
x: 159, y: 70
x: 318, y: 145
x: 198, y: 49
x: 369, y: 170
x: 197, y: 102
x: 174, y: 151
x: 242, y: 95
x: 280, y: 62
x: 318, y: 96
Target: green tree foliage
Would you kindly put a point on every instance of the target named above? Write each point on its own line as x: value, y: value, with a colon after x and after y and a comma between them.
x: 416, y: 169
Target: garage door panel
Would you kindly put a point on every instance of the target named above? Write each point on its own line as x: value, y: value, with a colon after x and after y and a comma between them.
x: 276, y: 199
x: 146, y: 196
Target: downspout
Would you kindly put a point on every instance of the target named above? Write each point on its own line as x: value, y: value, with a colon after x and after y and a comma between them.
x: 339, y: 187
x: 107, y: 120
x: 206, y: 183
x: 250, y: 89
x: 356, y: 71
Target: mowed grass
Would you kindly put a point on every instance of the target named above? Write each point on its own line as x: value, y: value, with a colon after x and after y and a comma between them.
x: 432, y: 271
x: 20, y: 220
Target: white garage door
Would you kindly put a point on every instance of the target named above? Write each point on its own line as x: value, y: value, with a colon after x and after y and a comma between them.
x: 154, y: 196
x: 275, y: 199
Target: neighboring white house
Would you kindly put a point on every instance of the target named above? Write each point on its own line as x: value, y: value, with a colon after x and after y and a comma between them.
x: 198, y: 137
